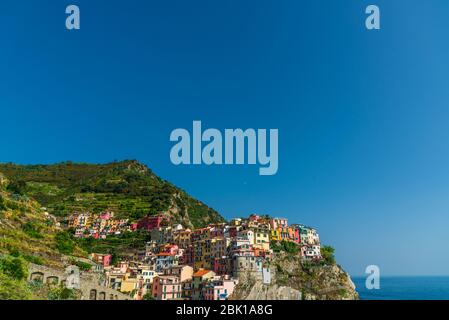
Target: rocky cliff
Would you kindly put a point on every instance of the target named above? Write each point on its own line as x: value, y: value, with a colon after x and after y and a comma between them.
x: 294, y: 279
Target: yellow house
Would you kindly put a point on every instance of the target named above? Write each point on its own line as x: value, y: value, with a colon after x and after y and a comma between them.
x: 182, y: 238
x: 129, y: 284
x: 275, y: 234
x: 262, y: 238
x: 218, y: 247
x: 202, y: 254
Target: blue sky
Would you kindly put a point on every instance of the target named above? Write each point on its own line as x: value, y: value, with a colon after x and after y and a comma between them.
x: 363, y: 117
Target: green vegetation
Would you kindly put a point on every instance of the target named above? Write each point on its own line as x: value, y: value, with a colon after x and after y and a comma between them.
x: 27, y: 233
x: 83, y: 266
x: 64, y: 243
x: 17, y: 187
x: 115, y: 245
x: 32, y: 230
x: 13, y: 275
x: 14, y: 252
x: 2, y: 203
x: 14, y: 267
x: 33, y: 259
x: 147, y: 296
x: 61, y: 293
x: 12, y: 289
x: 128, y: 188
x: 328, y: 254
x: 286, y: 246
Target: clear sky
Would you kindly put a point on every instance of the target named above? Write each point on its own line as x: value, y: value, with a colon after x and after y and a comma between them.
x: 363, y: 116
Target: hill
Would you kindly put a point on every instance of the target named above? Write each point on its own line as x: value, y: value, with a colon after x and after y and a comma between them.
x: 128, y: 188
x: 28, y: 234
x: 28, y: 231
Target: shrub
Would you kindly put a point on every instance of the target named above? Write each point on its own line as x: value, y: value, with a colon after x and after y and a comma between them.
x: 33, y: 259
x: 287, y: 246
x: 2, y: 203
x: 147, y: 296
x: 17, y: 187
x: 83, y: 266
x: 60, y: 293
x: 327, y: 252
x: 290, y: 247
x: 275, y: 246
x: 15, y: 268
x: 13, y: 251
x: 31, y: 230
x: 64, y: 243
x: 12, y: 289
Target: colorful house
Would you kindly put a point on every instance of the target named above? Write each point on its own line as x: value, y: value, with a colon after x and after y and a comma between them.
x: 199, y: 280
x: 102, y: 259
x: 308, y: 235
x: 222, y: 265
x: 311, y: 252
x: 276, y: 223
x: 182, y: 238
x: 167, y: 288
x: 184, y: 273
x: 219, y: 288
x: 164, y: 261
x: 261, y: 238
x: 200, y: 234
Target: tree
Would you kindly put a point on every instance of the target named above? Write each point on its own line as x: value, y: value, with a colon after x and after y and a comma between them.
x: 114, y: 258
x: 327, y: 252
x: 290, y: 247
x: 17, y: 187
x: 64, y: 243
x: 147, y: 296
x: 14, y: 267
x: 60, y: 293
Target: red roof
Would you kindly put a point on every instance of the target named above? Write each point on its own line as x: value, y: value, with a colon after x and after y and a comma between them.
x: 201, y: 273
x: 164, y: 254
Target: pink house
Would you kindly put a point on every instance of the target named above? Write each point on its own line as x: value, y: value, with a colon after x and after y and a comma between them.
x: 220, y: 288
x: 102, y: 259
x: 166, y: 288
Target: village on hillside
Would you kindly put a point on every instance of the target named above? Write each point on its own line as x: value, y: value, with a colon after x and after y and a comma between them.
x: 192, y: 264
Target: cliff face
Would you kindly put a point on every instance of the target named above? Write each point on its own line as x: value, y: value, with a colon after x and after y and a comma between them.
x: 293, y: 279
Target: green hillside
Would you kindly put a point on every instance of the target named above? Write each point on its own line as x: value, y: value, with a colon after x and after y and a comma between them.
x: 28, y: 235
x: 26, y: 230
x: 128, y: 188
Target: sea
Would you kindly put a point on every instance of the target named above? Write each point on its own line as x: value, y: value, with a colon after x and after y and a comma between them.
x: 405, y: 288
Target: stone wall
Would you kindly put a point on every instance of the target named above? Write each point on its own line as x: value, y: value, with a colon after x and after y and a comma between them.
x: 90, y: 284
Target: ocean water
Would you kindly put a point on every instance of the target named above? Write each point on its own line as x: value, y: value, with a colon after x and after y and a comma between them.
x: 405, y: 288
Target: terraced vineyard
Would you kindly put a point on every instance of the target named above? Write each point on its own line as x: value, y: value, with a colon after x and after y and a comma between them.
x: 128, y: 188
